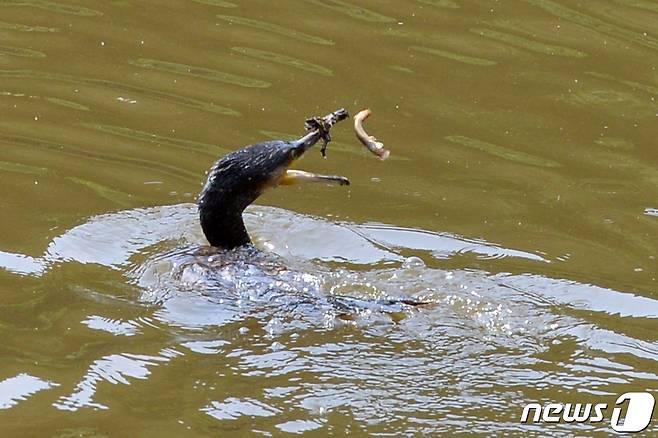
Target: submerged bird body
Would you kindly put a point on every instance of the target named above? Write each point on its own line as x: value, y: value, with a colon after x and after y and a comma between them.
x: 248, y: 275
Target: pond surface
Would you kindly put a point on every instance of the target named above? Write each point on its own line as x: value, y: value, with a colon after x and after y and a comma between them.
x: 520, y: 203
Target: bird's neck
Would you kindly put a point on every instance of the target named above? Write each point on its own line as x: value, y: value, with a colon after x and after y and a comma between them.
x: 307, y: 140
x: 223, y: 229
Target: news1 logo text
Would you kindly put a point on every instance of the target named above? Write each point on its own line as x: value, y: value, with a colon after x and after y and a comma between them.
x: 632, y: 412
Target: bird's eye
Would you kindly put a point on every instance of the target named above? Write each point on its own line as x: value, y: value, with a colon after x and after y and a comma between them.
x: 295, y: 153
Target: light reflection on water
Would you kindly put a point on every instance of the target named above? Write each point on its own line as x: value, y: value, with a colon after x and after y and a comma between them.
x: 482, y: 334
x: 16, y: 389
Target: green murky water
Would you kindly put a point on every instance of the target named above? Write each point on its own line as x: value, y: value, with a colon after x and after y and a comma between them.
x: 521, y: 200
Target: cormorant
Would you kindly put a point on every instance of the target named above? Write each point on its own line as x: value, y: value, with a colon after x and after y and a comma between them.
x: 237, y: 179
x: 234, y: 182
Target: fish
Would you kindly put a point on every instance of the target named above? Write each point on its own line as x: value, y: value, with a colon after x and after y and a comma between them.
x: 370, y: 142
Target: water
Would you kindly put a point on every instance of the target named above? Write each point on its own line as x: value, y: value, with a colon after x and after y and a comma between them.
x: 519, y: 202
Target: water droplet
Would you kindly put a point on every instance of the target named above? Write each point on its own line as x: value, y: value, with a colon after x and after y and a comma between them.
x: 413, y: 262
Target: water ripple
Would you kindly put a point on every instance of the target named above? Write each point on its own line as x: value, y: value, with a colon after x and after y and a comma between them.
x: 284, y: 60
x: 594, y: 23
x: 54, y: 100
x: 112, y: 195
x: 639, y: 4
x: 233, y: 408
x: 117, y: 86
x: 54, y: 7
x: 448, y: 4
x: 7, y: 166
x: 218, y: 3
x: 21, y: 52
x: 650, y: 89
x: 174, y: 171
x: 149, y: 137
x: 524, y: 43
x: 353, y: 11
x: 484, y: 336
x: 276, y: 29
x: 18, y: 388
x: 199, y: 72
x: 114, y: 369
x: 502, y: 152
x: 454, y: 56
x: 113, y: 326
x: 25, y: 28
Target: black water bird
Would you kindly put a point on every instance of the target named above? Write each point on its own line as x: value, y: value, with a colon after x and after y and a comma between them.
x: 237, y: 179
x: 234, y: 182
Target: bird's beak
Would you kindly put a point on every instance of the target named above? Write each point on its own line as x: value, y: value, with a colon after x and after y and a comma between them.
x: 293, y: 176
